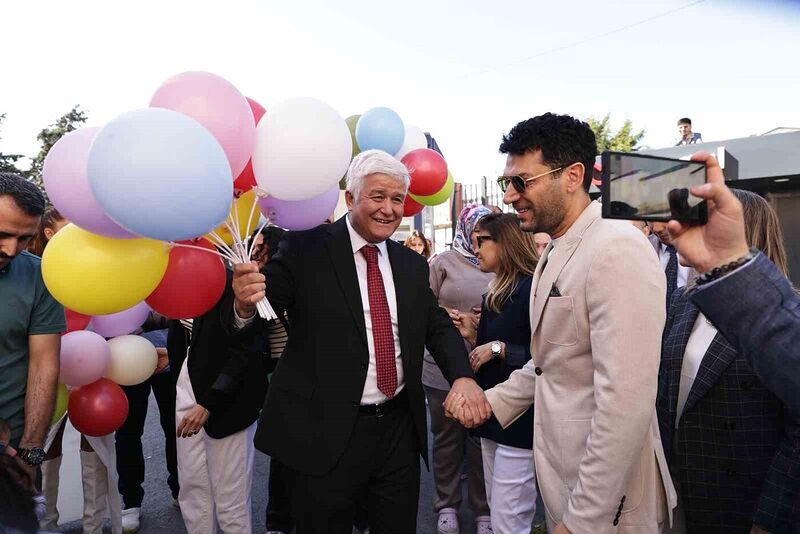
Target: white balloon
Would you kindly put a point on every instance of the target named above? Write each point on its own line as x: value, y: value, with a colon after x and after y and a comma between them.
x: 303, y: 147
x: 415, y: 138
x: 133, y: 360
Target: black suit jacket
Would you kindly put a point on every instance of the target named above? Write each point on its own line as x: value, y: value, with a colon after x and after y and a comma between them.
x: 313, y: 402
x: 229, y: 377
x: 736, y: 453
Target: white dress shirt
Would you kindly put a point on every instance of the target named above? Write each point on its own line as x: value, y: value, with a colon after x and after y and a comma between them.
x: 663, y: 256
x: 371, y: 393
x: 700, y: 339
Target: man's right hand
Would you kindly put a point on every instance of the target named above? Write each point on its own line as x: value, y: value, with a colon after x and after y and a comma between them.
x: 249, y: 288
x: 722, y: 239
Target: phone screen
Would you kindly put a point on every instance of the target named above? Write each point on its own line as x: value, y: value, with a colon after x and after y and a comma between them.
x: 651, y: 188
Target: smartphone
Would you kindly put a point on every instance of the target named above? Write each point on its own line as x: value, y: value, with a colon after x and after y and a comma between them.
x: 651, y: 188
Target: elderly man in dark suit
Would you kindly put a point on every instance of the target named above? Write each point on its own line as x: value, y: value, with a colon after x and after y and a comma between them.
x: 346, y: 410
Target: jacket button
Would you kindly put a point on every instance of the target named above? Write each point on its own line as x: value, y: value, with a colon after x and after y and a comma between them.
x: 538, y: 371
x: 730, y: 472
x: 616, y: 521
x: 355, y: 404
x: 731, y: 425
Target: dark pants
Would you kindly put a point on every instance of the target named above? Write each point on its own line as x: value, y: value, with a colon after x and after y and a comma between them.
x: 130, y: 460
x: 381, y: 461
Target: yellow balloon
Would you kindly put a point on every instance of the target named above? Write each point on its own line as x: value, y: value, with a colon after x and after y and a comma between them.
x: 240, y: 210
x: 97, y: 275
x: 62, y: 399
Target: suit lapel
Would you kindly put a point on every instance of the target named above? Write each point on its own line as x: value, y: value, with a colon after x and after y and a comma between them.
x: 716, y: 359
x: 673, y: 351
x: 403, y: 293
x: 554, y: 260
x: 341, y: 251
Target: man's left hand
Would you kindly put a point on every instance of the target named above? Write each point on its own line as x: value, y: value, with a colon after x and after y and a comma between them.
x: 192, y: 422
x: 561, y: 529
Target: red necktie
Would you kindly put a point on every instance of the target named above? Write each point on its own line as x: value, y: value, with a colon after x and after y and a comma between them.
x: 382, y: 333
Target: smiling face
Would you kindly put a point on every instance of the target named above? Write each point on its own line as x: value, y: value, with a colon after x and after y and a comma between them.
x: 378, y: 210
x: 542, y: 207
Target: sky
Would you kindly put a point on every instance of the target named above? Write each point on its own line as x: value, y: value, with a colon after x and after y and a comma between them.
x: 464, y: 70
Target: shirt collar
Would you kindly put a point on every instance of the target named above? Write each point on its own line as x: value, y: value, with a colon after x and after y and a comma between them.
x: 359, y: 242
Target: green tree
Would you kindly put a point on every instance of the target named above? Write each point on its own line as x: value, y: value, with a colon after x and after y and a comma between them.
x: 8, y: 162
x: 72, y: 120
x: 623, y: 140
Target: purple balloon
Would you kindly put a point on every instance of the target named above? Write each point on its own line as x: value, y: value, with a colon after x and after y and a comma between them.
x: 300, y: 214
x: 84, y: 358
x: 121, y: 323
x: 67, y: 185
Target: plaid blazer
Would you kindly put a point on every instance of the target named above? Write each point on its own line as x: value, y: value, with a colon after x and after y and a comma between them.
x: 736, y: 455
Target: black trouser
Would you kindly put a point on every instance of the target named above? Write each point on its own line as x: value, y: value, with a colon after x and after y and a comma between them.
x: 130, y: 460
x: 381, y: 461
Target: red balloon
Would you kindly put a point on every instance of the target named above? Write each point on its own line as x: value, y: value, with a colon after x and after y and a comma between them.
x: 76, y: 321
x: 97, y: 409
x: 193, y: 283
x: 247, y: 180
x: 428, y: 171
x: 411, y: 207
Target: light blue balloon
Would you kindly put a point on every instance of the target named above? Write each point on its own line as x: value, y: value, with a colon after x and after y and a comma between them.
x: 380, y: 128
x: 160, y: 174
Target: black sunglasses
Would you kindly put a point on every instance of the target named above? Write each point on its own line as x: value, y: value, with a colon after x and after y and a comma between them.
x: 481, y: 238
x: 518, y: 182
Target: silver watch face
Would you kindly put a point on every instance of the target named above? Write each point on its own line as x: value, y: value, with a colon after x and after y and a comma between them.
x: 495, y: 348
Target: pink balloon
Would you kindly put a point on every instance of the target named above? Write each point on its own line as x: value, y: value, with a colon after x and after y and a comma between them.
x: 67, y: 185
x: 216, y: 104
x: 121, y: 323
x: 300, y: 214
x: 84, y: 358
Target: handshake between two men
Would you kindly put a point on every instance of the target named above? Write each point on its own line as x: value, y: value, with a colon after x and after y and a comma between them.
x: 469, y: 408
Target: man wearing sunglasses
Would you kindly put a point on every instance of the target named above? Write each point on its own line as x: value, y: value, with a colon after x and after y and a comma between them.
x: 594, y: 368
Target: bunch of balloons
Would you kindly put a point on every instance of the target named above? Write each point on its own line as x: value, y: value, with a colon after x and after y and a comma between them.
x: 382, y: 128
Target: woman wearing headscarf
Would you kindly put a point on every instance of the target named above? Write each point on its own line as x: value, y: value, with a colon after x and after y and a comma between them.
x: 459, y: 285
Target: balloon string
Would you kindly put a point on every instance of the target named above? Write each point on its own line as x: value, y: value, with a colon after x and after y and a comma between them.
x: 219, y: 242
x: 252, y: 210
x: 220, y: 254
x: 253, y: 243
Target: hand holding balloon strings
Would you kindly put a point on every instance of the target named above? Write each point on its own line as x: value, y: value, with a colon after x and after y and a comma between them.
x: 242, y: 249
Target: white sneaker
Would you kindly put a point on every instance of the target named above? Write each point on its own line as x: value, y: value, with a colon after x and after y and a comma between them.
x: 483, y: 525
x: 448, y: 521
x: 130, y: 520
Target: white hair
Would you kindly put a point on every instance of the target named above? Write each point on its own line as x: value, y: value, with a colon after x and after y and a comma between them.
x: 375, y: 162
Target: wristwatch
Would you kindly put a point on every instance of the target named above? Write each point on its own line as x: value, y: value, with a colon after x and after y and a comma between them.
x: 496, y: 348
x: 33, y: 456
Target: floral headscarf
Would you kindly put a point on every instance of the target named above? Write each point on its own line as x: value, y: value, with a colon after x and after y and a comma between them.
x: 467, y: 220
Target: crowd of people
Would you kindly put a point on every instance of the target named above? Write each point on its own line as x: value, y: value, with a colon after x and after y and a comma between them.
x: 628, y: 376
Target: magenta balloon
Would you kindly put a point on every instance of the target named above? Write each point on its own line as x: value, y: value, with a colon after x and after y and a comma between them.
x: 121, y: 323
x: 85, y: 357
x: 300, y: 214
x: 216, y: 104
x: 66, y: 183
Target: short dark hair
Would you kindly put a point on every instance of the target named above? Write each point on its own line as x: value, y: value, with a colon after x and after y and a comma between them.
x: 25, y: 194
x: 685, y: 120
x: 563, y: 140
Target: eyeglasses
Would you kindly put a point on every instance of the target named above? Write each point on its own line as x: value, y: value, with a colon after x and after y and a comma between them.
x: 518, y: 182
x: 481, y: 238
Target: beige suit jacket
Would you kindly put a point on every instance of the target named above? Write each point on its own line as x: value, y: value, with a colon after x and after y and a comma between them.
x: 593, y: 378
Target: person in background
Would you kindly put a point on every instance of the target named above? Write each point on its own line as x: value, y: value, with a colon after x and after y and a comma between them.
x: 741, y: 291
x: 676, y: 271
x: 540, y: 240
x: 686, y: 136
x: 458, y: 284
x: 642, y: 226
x: 713, y: 409
x: 30, y: 323
x: 128, y: 438
x: 52, y: 222
x: 501, y: 346
x: 417, y: 242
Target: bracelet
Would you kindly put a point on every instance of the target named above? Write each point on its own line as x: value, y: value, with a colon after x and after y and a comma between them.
x: 718, y: 272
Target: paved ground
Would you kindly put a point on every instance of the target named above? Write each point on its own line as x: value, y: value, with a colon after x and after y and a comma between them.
x: 160, y: 516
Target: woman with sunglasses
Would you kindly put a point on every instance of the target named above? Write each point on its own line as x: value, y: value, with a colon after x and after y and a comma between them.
x: 502, y: 345
x: 458, y: 284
